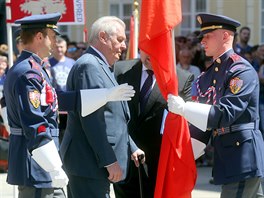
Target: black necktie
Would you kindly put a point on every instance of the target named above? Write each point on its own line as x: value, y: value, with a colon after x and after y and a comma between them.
x: 145, y: 90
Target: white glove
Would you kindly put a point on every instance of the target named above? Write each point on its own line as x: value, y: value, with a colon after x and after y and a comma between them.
x: 47, y: 157
x: 59, y: 178
x: 93, y: 99
x: 176, y: 104
x: 195, y: 113
x: 122, y: 92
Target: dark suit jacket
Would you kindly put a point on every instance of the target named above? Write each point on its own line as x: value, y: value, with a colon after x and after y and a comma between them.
x: 92, y: 142
x: 144, y: 128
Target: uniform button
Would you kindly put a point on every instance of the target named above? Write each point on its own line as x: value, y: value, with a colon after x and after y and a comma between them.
x: 237, y: 143
x: 214, y: 81
x: 218, y: 60
x: 216, y: 69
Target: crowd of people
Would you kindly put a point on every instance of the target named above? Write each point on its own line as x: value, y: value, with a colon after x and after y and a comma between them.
x: 96, y: 151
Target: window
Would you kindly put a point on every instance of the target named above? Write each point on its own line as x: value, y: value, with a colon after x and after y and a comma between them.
x: 122, y: 9
x: 190, y: 8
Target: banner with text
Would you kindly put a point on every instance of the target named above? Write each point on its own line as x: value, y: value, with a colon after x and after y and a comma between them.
x: 72, y: 10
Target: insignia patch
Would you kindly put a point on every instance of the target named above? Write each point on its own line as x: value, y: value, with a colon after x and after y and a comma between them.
x: 235, y: 85
x: 34, y: 98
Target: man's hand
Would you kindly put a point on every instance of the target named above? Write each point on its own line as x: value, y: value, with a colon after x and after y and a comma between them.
x: 115, y: 172
x: 136, y: 155
x: 176, y: 104
x: 122, y: 92
x: 59, y: 178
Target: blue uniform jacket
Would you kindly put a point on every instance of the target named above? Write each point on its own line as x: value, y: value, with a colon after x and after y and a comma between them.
x: 232, y: 84
x: 32, y: 115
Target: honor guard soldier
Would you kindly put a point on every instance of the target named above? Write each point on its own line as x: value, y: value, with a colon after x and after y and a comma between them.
x: 226, y: 107
x: 34, y: 161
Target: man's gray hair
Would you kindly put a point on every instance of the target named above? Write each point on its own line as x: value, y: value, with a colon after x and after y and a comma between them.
x: 107, y: 24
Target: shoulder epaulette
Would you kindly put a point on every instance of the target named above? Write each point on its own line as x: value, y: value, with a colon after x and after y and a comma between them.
x: 34, y: 64
x: 235, y: 57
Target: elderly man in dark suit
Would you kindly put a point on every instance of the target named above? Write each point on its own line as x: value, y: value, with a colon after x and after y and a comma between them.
x: 145, y: 125
x: 96, y: 148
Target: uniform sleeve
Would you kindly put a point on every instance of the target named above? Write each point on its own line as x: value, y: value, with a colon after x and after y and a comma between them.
x: 32, y: 115
x: 69, y: 100
x: 241, y: 90
x: 94, y: 126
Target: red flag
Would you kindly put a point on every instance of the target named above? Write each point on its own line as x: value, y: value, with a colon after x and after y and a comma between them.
x: 177, y: 171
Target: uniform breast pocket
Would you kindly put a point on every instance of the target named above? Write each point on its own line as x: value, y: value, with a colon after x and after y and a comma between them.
x: 236, y: 152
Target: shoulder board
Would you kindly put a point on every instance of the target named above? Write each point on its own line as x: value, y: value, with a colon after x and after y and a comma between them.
x: 34, y: 64
x: 235, y: 57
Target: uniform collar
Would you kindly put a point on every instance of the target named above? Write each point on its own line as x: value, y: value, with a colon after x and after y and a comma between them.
x: 35, y: 56
x: 224, y: 56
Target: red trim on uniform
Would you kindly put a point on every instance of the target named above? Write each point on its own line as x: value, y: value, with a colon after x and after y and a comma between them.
x: 34, y: 64
x: 41, y: 129
x: 235, y: 57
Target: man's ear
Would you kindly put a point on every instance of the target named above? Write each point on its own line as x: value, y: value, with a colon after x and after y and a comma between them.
x: 103, y: 36
x: 226, y: 35
x: 39, y: 36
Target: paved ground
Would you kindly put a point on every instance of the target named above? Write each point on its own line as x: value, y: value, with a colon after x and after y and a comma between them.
x: 202, y: 189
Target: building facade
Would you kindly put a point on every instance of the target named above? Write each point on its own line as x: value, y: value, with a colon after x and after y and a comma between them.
x: 249, y: 13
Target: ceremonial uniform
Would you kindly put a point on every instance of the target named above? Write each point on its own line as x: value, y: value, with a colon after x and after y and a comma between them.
x: 232, y: 83
x: 228, y: 108
x: 31, y: 102
x: 32, y: 116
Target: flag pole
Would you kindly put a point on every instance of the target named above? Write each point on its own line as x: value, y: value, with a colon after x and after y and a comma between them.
x: 9, y: 34
x: 85, y: 31
x: 173, y: 48
x: 135, y: 40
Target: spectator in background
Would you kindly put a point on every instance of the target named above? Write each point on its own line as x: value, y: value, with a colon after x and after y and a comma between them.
x: 259, y: 57
x: 82, y: 46
x: 242, y: 45
x: 197, y: 50
x: 73, y: 51
x: 60, y: 67
x: 185, y: 58
x: 3, y: 49
x: 66, y: 38
x: 180, y: 42
x: 3, y: 68
x: 19, y: 43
